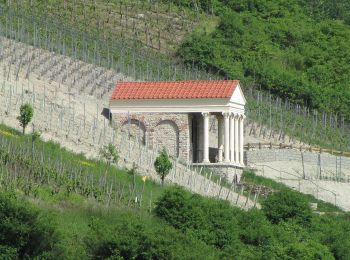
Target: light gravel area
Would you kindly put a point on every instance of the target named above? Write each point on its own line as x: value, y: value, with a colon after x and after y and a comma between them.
x: 291, y: 174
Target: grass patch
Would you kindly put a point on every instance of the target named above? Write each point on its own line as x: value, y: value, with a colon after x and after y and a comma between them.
x: 46, y: 170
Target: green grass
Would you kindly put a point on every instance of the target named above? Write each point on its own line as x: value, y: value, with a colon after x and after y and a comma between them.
x: 72, y: 162
x: 73, y: 218
x: 55, y: 174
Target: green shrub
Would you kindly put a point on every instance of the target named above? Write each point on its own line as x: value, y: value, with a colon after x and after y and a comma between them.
x: 24, y: 231
x: 212, y: 221
x: 306, y: 251
x: 8, y: 253
x: 276, y: 45
x: 255, y: 229
x: 333, y: 231
x: 140, y: 238
x: 286, y: 205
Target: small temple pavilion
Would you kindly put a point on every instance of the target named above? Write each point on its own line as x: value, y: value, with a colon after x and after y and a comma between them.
x: 198, y: 122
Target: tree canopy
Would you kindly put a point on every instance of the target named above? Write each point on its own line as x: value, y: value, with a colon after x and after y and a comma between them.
x: 297, y: 49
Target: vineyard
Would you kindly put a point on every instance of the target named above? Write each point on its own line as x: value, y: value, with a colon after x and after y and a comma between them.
x: 272, y: 118
x: 155, y: 24
x: 283, y: 121
x: 63, y: 200
x: 73, y: 118
x: 36, y: 167
x: 122, y: 55
x: 33, y: 54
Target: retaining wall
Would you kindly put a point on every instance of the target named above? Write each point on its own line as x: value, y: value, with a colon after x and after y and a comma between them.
x: 270, y: 155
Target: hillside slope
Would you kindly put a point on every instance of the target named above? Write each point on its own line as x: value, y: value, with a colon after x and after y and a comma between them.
x: 292, y: 49
x: 281, y: 46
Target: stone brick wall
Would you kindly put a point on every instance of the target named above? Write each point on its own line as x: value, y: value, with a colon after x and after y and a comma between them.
x: 158, y: 130
x: 228, y: 172
x: 270, y: 155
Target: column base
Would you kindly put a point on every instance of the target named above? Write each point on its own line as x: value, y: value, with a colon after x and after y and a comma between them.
x: 205, y: 161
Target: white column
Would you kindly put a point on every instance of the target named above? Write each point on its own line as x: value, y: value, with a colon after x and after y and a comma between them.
x: 232, y: 138
x: 205, y: 137
x: 227, y: 136
x: 236, y: 139
x: 220, y: 138
x: 241, y: 139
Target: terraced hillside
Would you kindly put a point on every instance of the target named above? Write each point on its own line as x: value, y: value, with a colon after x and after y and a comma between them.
x: 157, y: 25
x: 77, y: 208
x: 71, y: 113
x: 271, y: 117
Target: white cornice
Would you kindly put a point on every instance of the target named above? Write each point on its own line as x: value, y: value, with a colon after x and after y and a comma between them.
x: 174, y: 106
x: 235, y: 104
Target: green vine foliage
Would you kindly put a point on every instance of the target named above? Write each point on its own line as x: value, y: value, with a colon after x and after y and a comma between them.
x: 30, y: 169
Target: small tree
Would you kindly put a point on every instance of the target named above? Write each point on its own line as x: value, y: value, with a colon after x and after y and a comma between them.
x: 109, y: 153
x: 25, y: 116
x: 163, y: 165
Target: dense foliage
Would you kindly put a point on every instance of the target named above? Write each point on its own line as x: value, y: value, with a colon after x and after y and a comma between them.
x: 24, y: 231
x: 283, y: 206
x: 132, y: 237
x: 282, y: 47
x: 256, y: 234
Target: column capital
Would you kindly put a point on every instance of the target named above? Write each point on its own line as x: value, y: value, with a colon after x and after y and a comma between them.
x: 226, y: 114
x: 205, y: 114
x: 236, y: 115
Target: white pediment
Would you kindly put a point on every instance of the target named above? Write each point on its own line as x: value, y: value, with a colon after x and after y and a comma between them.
x: 238, y: 97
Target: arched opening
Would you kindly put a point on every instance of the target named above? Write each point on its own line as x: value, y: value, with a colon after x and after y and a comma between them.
x: 135, y: 129
x: 166, y: 135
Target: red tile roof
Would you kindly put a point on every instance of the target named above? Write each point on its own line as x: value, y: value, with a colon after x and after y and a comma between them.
x: 175, y: 89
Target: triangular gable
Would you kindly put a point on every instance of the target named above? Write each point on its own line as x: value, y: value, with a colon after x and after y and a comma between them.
x: 238, y: 96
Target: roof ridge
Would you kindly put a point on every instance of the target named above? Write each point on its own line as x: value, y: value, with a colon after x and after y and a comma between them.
x: 178, y: 81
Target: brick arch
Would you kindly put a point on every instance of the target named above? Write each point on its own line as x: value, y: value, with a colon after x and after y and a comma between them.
x: 166, y: 135
x: 136, y: 128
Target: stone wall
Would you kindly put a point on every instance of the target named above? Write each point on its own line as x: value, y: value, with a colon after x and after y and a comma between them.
x: 158, y: 131
x: 229, y: 172
x: 270, y: 155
